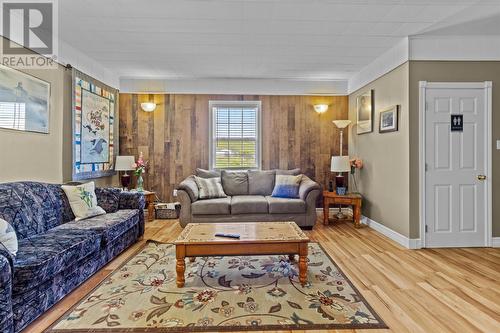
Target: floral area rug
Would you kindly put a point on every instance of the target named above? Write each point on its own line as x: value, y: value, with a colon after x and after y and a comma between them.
x: 220, y: 294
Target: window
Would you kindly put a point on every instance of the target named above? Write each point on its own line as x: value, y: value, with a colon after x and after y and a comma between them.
x: 13, y: 115
x: 235, y: 135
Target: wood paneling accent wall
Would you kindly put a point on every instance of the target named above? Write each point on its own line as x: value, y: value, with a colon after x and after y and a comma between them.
x: 174, y: 138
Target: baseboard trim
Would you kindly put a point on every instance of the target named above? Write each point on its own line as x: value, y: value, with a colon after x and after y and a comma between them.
x: 391, y: 234
x: 495, y: 241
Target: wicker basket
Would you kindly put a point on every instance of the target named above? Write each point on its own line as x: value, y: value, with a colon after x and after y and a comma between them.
x: 163, y: 211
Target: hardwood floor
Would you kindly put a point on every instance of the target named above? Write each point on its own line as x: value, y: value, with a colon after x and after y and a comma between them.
x: 429, y: 290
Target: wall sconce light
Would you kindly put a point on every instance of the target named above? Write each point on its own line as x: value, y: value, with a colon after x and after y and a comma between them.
x: 148, y: 106
x: 320, y: 108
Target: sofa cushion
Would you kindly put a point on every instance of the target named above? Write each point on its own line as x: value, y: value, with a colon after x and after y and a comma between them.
x: 42, y: 256
x: 285, y: 205
x: 235, y: 183
x: 248, y: 204
x: 292, y: 172
x: 207, y: 173
x: 211, y: 206
x: 261, y: 182
x: 32, y: 208
x: 108, y: 199
x: 109, y: 226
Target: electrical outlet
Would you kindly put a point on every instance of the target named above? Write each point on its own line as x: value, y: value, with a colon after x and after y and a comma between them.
x: 175, y: 193
x: 498, y: 144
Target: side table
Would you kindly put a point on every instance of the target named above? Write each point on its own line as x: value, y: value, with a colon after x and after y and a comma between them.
x: 350, y: 199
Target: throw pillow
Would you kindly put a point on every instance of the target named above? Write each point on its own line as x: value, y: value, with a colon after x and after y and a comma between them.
x: 83, y: 200
x: 209, y: 188
x: 8, y: 237
x: 287, y: 186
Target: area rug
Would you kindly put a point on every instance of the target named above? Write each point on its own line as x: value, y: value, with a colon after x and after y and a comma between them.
x: 220, y: 294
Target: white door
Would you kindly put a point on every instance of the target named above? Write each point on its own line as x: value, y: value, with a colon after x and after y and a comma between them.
x: 456, y: 141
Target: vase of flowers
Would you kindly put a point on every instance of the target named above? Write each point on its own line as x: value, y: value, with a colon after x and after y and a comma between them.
x: 140, y: 168
x: 355, y: 163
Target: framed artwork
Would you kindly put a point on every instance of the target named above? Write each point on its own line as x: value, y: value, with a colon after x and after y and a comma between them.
x: 24, y: 101
x: 94, y: 145
x: 389, y: 119
x: 365, y: 104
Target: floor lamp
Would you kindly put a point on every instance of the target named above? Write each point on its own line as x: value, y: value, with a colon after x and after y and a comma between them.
x: 340, y: 164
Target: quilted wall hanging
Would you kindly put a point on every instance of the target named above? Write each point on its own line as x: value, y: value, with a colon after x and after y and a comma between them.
x: 94, y: 127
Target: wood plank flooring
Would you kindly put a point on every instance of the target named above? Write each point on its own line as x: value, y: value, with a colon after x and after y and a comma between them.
x: 429, y: 290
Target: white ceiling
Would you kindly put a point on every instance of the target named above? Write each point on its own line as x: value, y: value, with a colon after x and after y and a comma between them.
x: 257, y: 39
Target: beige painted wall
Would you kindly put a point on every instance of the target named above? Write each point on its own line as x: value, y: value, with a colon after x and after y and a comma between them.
x: 384, y: 180
x: 44, y: 157
x: 452, y: 71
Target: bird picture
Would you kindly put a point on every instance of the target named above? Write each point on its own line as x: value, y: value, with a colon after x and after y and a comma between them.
x: 97, y: 145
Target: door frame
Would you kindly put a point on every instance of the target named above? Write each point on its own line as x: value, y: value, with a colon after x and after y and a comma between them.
x: 487, y: 86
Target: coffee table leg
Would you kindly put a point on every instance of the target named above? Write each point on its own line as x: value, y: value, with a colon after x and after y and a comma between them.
x: 181, y: 265
x: 303, y: 263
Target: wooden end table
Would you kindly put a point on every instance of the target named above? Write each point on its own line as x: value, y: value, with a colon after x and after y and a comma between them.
x: 350, y: 199
x: 256, y: 238
x: 150, y: 206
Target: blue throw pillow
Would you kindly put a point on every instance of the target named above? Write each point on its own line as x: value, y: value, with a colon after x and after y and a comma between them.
x: 287, y: 186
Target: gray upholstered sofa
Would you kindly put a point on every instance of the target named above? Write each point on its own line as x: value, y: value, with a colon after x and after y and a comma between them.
x: 249, y: 199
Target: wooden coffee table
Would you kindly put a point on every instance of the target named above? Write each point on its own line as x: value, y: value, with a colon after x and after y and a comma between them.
x: 256, y: 238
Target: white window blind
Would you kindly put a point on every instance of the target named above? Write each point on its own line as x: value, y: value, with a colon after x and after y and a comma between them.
x: 13, y: 115
x: 235, y: 140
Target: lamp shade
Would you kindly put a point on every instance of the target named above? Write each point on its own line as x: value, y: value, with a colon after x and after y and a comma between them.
x: 341, y: 123
x: 340, y: 164
x: 320, y: 108
x: 124, y: 163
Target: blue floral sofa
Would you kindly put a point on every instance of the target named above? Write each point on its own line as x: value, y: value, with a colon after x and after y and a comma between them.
x: 56, y: 254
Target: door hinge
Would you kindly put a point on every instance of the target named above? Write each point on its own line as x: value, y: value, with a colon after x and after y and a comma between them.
x: 426, y: 228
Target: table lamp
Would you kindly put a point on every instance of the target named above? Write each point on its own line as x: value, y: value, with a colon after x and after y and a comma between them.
x: 125, y: 163
x: 340, y: 164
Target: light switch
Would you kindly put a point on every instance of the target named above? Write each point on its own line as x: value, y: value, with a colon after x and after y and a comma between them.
x: 498, y: 144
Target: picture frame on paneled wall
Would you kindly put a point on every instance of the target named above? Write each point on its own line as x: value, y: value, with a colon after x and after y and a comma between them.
x: 365, y: 106
x: 95, y: 143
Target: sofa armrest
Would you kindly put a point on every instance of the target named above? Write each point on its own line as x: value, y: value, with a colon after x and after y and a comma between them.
x: 307, y: 185
x: 185, y: 200
x: 190, y: 187
x: 134, y: 200
x: 6, y: 315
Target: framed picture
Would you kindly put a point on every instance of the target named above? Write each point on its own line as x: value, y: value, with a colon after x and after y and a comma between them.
x: 94, y: 144
x: 24, y: 101
x: 389, y: 119
x: 365, y: 104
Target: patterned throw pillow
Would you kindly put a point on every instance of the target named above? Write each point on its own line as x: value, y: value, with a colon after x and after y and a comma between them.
x: 287, y: 186
x: 8, y: 237
x: 209, y: 188
x: 83, y: 200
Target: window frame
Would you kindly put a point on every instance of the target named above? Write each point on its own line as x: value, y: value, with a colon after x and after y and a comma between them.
x: 211, y: 136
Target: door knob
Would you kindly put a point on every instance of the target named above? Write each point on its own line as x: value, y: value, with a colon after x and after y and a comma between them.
x: 481, y: 177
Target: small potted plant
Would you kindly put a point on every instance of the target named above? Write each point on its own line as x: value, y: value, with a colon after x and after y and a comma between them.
x: 355, y: 163
x: 140, y: 168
